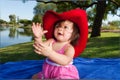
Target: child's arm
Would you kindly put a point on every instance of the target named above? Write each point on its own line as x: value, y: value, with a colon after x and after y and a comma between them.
x: 38, y: 32
x: 61, y: 59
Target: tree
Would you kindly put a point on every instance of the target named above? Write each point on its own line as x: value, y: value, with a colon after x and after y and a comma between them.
x: 40, y: 9
x: 2, y: 21
x: 100, y: 8
x: 108, y: 6
x: 37, y: 18
x: 12, y: 18
x: 25, y: 22
x: 114, y: 23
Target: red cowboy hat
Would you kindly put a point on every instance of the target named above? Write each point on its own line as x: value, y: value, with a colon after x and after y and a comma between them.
x: 78, y: 16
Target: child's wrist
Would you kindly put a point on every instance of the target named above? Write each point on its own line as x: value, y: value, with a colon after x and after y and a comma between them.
x: 50, y: 54
x: 38, y: 37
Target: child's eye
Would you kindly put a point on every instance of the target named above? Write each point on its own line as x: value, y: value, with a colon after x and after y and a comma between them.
x: 66, y: 27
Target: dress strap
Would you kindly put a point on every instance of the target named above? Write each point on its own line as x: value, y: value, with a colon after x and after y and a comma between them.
x: 64, y: 47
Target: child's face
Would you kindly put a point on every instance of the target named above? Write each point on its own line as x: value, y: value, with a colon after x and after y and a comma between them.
x: 63, y: 30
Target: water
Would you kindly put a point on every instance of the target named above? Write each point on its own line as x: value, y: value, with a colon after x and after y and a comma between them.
x: 10, y: 36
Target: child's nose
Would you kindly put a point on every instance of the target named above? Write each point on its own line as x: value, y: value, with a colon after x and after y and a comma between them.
x: 60, y: 28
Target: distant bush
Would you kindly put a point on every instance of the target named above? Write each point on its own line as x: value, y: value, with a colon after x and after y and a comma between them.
x: 109, y: 27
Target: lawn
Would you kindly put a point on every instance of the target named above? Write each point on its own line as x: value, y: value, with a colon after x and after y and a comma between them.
x: 106, y: 46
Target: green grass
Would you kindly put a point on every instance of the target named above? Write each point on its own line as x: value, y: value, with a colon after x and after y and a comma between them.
x: 106, y: 46
x: 24, y: 51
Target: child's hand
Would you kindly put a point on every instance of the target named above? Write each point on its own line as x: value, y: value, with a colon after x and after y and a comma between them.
x: 37, y: 30
x: 43, y: 49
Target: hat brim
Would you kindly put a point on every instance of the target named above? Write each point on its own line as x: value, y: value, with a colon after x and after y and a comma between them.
x: 78, y: 16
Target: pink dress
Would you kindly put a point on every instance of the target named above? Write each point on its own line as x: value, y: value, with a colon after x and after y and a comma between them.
x: 52, y: 70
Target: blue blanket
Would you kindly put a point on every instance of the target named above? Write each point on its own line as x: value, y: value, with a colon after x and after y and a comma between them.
x: 95, y: 68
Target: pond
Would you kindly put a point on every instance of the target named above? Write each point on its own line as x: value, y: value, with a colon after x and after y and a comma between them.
x: 12, y: 35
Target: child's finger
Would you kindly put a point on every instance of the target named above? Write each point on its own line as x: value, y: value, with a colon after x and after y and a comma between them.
x: 38, y: 52
x: 33, y: 27
x: 33, y: 24
x: 37, y: 48
x: 42, y: 45
x: 45, y: 31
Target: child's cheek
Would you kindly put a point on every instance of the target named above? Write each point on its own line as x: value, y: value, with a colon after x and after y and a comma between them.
x: 69, y: 31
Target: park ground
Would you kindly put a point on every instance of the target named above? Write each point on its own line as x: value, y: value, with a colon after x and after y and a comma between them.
x: 105, y: 46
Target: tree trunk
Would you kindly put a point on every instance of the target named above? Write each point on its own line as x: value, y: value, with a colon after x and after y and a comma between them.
x: 100, y: 10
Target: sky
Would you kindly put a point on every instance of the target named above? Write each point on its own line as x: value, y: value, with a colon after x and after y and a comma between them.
x: 17, y: 7
x: 25, y: 10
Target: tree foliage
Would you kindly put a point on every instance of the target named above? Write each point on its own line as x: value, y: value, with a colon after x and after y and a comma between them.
x: 114, y: 23
x: 25, y: 22
x: 97, y: 10
x: 37, y: 18
x: 40, y: 9
x: 2, y: 21
x: 12, y: 18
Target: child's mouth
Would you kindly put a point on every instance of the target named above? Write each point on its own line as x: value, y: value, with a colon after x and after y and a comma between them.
x: 60, y: 34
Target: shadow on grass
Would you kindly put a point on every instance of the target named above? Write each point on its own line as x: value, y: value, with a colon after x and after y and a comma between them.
x: 105, y: 47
